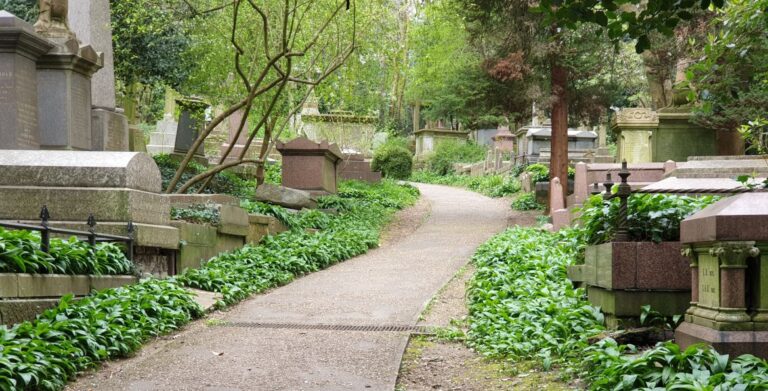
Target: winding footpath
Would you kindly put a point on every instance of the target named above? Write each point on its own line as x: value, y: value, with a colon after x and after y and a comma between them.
x: 305, y: 335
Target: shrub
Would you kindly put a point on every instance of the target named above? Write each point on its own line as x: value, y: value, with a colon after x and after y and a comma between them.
x: 540, y: 172
x: 393, y: 159
x: 527, y: 201
x: 650, y: 217
x: 449, y: 152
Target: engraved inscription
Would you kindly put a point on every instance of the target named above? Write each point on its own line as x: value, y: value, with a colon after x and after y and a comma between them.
x: 709, y: 281
x: 81, y: 113
x: 26, y: 98
x: 636, y: 146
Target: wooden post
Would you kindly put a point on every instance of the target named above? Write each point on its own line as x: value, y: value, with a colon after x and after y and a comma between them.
x: 559, y: 144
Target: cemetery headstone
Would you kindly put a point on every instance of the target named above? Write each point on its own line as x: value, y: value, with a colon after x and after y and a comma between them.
x: 20, y: 47
x: 163, y: 139
x: 191, y: 123
x: 634, y: 130
x: 64, y: 82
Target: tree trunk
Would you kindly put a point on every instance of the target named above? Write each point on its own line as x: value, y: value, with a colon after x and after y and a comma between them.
x: 559, y: 144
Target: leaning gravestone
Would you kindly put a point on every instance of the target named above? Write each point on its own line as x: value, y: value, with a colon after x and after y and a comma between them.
x: 64, y: 82
x: 20, y: 47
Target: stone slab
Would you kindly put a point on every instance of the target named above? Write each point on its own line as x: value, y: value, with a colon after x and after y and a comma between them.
x: 733, y: 343
x: 638, y: 265
x: 76, y: 204
x: 20, y: 310
x: 628, y: 303
x: 285, y: 196
x: 206, y: 300
x: 57, y: 285
x: 9, y: 285
x: 234, y: 220
x: 693, y: 185
x: 725, y: 168
x: 738, y: 218
x: 109, y: 130
x: 145, y: 235
x: 79, y: 169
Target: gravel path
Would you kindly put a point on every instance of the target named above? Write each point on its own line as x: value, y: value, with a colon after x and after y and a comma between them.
x: 388, y: 286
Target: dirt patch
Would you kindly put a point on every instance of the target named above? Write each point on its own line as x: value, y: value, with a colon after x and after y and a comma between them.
x: 449, y: 305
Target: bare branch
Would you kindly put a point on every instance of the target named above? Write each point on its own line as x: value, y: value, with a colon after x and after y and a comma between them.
x: 195, y: 12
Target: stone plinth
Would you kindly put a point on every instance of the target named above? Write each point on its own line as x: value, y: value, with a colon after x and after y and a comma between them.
x: 634, y: 130
x: 677, y: 137
x: 721, y: 167
x: 64, y: 95
x: 311, y: 166
x: 587, y: 175
x: 261, y: 226
x: 621, y: 277
x: 729, y: 272
x: 191, y: 123
x: 109, y: 129
x: 358, y: 168
x: 20, y: 48
x: 116, y: 187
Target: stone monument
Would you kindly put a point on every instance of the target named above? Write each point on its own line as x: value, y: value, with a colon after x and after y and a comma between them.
x: 634, y: 128
x: 64, y: 82
x: 90, y: 20
x: 728, y: 247
x: 309, y: 165
x: 20, y: 48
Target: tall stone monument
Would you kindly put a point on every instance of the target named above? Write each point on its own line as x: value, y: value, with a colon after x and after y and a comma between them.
x: 603, y: 153
x: 64, y: 82
x: 163, y: 139
x: 20, y: 48
x: 634, y: 128
x: 90, y: 20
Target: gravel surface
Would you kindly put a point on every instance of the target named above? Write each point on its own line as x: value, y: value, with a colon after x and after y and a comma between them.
x: 388, y: 286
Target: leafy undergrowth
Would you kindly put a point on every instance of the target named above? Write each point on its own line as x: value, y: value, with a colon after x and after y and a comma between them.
x: 522, y: 306
x: 498, y: 185
x: 45, y: 353
x: 207, y: 213
x: 74, y: 336
x: 526, y: 202
x: 20, y: 253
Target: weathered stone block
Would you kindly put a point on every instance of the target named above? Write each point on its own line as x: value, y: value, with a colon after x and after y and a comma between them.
x: 234, y: 221
x: 9, y: 285
x: 79, y: 169
x: 110, y: 130
x: 733, y: 343
x: 285, y: 196
x: 105, y: 282
x: 36, y: 285
x: 310, y: 166
x: 17, y: 311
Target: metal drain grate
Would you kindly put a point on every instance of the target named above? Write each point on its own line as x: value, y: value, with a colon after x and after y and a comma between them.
x: 334, y: 327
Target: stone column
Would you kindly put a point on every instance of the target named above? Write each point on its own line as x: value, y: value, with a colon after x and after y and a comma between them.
x: 20, y: 47
x: 90, y: 20
x: 691, y: 254
x: 733, y: 257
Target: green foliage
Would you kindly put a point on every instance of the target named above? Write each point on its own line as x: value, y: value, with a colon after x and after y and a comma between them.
x: 490, y: 185
x: 393, y: 159
x: 527, y: 201
x: 650, y: 217
x: 74, y: 336
x: 20, y: 253
x: 652, y: 318
x: 207, y: 213
x: 449, y: 152
x: 273, y: 174
x: 24, y: 9
x: 667, y: 367
x: 278, y: 212
x: 222, y: 183
x: 540, y: 172
x: 521, y: 305
x: 150, y: 39
x: 730, y: 82
x: 280, y: 258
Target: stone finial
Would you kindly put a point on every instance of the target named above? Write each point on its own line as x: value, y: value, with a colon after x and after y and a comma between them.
x: 52, y: 20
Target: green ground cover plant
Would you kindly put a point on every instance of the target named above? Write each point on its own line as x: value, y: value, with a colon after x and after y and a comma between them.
x: 222, y: 183
x: 45, y: 353
x: 527, y: 201
x: 498, y: 185
x: 206, y: 213
x: 540, y: 172
x: 20, y: 253
x: 522, y: 306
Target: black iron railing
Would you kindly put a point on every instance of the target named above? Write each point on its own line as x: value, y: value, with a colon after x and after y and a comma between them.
x: 92, y: 237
